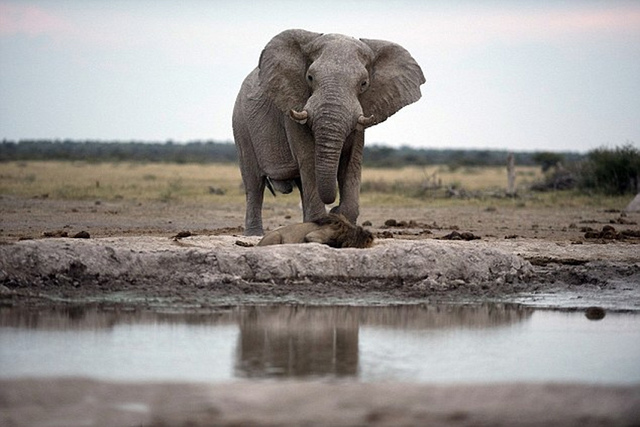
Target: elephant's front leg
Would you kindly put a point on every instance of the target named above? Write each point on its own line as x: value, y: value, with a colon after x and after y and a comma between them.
x: 302, y: 147
x: 349, y: 177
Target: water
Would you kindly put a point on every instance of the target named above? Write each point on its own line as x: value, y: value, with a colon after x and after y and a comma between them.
x: 419, y: 343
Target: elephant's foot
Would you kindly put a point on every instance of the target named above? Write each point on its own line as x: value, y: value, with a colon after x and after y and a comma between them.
x: 254, y: 231
x: 253, y: 228
x: 347, y: 213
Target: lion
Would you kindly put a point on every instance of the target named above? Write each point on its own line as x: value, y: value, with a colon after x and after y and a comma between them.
x: 333, y: 230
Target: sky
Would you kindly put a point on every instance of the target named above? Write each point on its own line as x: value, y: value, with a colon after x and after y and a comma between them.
x: 509, y: 75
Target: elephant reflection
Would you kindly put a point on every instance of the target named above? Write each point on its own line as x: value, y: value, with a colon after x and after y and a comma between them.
x: 302, y: 341
x: 297, y: 342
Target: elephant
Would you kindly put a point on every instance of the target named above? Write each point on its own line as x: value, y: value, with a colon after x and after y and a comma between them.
x: 299, y: 117
x: 333, y: 230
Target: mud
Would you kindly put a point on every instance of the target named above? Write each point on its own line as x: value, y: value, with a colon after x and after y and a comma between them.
x: 204, y: 271
x: 214, y: 269
x: 75, y: 402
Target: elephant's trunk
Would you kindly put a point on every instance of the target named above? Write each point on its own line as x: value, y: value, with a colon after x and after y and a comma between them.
x: 327, y: 161
x: 333, y: 114
x: 331, y: 129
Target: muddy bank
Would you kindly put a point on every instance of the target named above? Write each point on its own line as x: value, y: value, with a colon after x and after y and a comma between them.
x: 74, y: 402
x: 217, y: 267
x: 199, y: 271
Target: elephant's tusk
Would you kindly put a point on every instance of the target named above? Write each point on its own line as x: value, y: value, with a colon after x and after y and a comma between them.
x: 366, y: 121
x: 299, y: 116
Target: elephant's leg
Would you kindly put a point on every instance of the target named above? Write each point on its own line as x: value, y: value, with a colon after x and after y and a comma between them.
x: 254, y: 192
x: 349, y: 177
x: 253, y: 180
x: 302, y: 147
x: 254, y: 185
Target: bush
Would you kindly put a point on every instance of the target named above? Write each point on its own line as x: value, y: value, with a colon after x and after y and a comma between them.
x: 611, y: 171
x: 547, y: 160
x: 558, y: 178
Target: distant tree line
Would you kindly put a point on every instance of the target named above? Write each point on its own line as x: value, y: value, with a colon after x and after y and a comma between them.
x: 102, y: 151
x: 211, y: 151
x: 382, y: 156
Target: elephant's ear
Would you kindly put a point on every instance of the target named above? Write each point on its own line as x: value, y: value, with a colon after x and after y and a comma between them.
x: 395, y: 80
x: 283, y: 66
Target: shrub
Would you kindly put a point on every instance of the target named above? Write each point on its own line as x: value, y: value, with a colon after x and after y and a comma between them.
x: 611, y: 171
x: 547, y: 160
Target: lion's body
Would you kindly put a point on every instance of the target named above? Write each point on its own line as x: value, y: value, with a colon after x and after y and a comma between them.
x: 295, y: 233
x: 333, y: 230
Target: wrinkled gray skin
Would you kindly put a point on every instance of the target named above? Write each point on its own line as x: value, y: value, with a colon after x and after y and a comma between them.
x: 299, y: 118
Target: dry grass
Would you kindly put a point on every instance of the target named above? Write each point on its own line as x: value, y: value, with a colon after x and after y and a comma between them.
x: 195, y: 182
x: 470, y: 178
x: 111, y: 181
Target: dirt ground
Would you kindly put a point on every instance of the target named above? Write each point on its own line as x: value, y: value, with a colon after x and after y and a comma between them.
x: 34, y: 218
x: 570, y: 258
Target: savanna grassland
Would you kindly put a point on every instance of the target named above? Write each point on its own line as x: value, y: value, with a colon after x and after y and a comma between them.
x: 196, y: 182
x: 162, y: 198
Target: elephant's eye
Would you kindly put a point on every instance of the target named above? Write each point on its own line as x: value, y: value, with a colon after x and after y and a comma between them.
x: 309, y: 78
x: 364, y: 85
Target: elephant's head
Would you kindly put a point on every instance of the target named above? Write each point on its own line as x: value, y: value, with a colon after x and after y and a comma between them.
x: 337, y: 85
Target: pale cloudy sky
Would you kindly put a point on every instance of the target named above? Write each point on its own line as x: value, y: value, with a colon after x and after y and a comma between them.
x: 522, y: 75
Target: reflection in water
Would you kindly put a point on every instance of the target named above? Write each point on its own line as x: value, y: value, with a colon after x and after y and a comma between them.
x: 425, y: 343
x: 85, y: 318
x: 299, y: 341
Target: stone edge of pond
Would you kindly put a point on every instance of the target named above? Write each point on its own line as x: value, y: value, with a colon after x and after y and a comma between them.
x: 203, y: 269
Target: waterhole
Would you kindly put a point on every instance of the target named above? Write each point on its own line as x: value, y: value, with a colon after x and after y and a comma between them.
x: 416, y: 343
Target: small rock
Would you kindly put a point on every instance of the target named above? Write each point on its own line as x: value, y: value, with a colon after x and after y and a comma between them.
x: 182, y: 235
x: 456, y: 235
x: 595, y: 313
x: 217, y: 191
x: 56, y: 233
x: 81, y: 235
